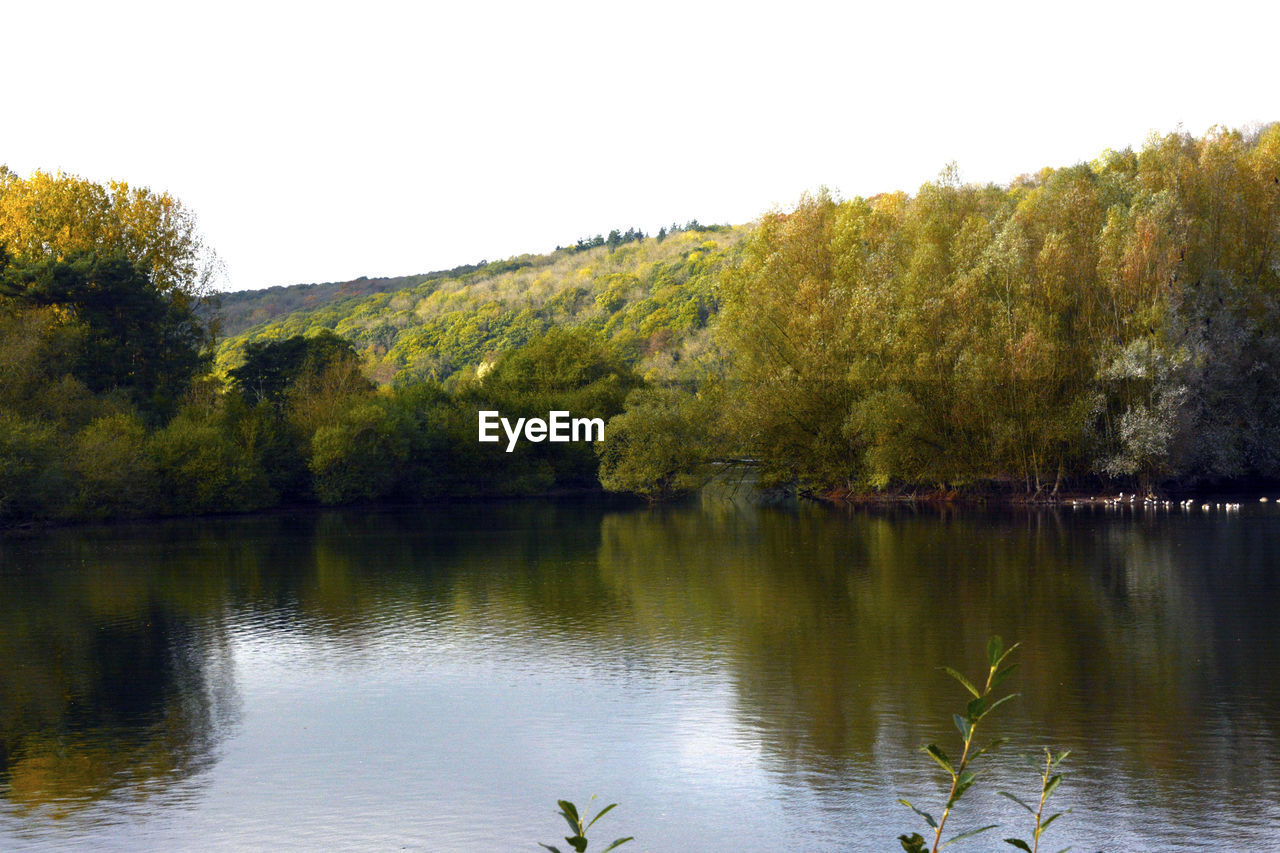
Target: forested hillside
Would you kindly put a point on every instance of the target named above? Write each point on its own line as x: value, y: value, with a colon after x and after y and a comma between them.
x: 650, y: 297
x: 243, y: 309
x: 111, y: 403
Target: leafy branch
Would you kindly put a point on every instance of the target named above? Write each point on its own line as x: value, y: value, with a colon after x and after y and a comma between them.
x: 578, y: 840
x: 962, y: 777
x: 1049, y: 781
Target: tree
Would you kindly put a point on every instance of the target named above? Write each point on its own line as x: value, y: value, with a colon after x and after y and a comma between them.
x: 783, y: 323
x: 568, y: 368
x: 271, y: 368
x: 200, y: 468
x: 58, y: 216
x: 129, y: 334
x: 361, y: 455
x: 657, y: 448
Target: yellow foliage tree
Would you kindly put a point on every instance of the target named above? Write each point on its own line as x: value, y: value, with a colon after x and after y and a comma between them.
x: 58, y: 215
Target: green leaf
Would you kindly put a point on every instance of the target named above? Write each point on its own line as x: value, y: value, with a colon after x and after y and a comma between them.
x: 997, y: 704
x: 577, y: 842
x: 1016, y: 800
x: 963, y: 782
x: 1019, y: 843
x: 995, y: 646
x: 968, y: 834
x: 1060, y: 757
x: 570, y: 814
x: 1052, y: 785
x: 1007, y: 652
x: 941, y: 757
x: 994, y: 743
x: 965, y: 727
x: 999, y: 677
x: 1045, y: 825
x: 618, y: 843
x: 928, y: 818
x: 601, y: 814
x: 960, y: 678
x: 975, y: 708
x: 912, y: 843
x: 549, y: 847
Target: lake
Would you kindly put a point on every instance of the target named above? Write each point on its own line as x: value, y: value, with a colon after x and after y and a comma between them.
x: 738, y: 678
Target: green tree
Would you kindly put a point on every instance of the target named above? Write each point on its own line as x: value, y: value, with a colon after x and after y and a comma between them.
x: 782, y: 323
x: 33, y: 472
x: 200, y: 469
x: 129, y: 335
x: 657, y: 448
x: 271, y: 368
x: 361, y: 455
x: 114, y: 472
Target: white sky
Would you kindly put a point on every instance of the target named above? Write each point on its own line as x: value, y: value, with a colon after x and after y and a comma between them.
x: 322, y: 141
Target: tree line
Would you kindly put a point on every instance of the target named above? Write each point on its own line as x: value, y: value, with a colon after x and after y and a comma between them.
x: 110, y: 407
x: 1114, y: 322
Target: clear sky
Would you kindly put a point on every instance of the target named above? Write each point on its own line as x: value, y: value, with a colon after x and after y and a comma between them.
x: 323, y: 141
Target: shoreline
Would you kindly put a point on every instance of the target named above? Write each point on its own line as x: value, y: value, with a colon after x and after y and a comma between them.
x: 1173, y: 499
x: 1211, y: 499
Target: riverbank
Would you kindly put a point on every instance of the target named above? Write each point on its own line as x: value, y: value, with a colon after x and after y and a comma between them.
x: 1221, y: 496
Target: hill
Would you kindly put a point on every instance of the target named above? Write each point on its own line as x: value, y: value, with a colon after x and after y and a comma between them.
x: 245, y: 309
x: 652, y: 297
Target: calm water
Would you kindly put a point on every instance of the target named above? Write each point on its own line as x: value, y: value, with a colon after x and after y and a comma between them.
x: 738, y: 678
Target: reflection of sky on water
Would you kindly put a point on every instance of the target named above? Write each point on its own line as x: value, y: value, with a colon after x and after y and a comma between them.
x: 737, y: 680
x: 437, y: 726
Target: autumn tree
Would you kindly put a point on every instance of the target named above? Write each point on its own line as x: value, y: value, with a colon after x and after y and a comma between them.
x: 57, y: 215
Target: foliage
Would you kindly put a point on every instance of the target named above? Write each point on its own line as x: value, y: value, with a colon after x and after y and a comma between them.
x: 779, y: 320
x: 657, y: 447
x: 565, y: 367
x: 578, y: 840
x: 573, y: 370
x: 114, y: 473
x: 35, y: 344
x: 1049, y: 782
x: 32, y: 472
x: 960, y: 775
x: 126, y: 332
x: 615, y: 239
x: 276, y: 446
x: 104, y: 329
x: 247, y: 308
x: 58, y: 216
x: 1115, y: 318
x: 359, y: 456
x: 200, y: 469
x: 271, y: 368
x: 651, y: 300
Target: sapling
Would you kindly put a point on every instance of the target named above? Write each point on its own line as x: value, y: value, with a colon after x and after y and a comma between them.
x: 578, y: 841
x: 1049, y: 781
x: 961, y: 775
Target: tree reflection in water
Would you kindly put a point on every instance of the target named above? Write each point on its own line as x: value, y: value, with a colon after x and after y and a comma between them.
x: 823, y: 628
